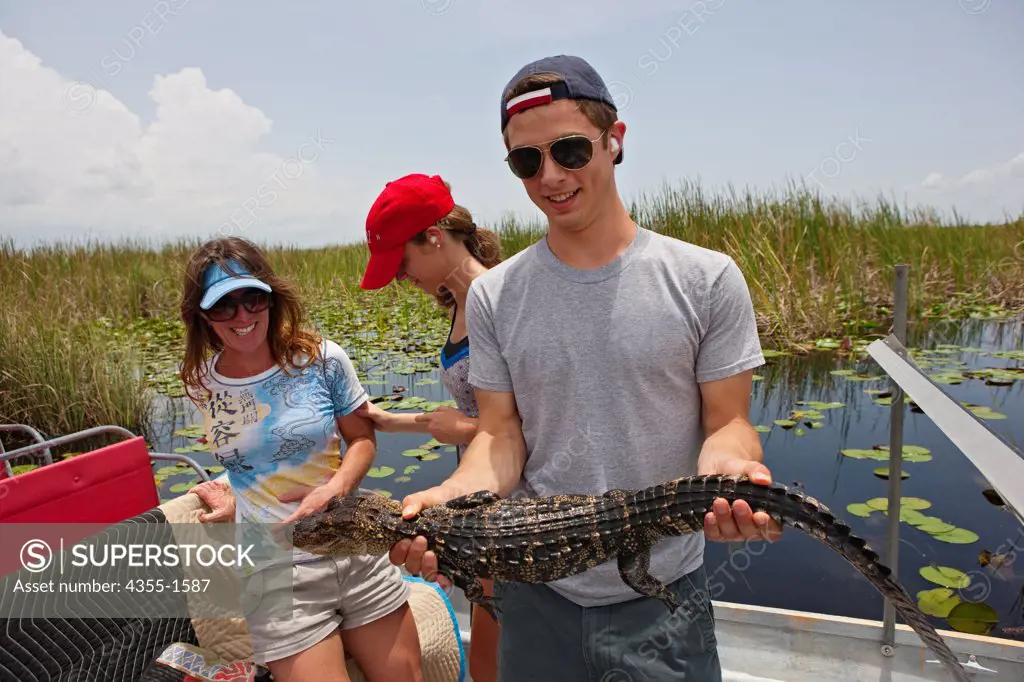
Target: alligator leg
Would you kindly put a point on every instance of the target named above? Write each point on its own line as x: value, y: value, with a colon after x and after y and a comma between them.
x: 473, y: 590
x: 634, y: 567
x: 477, y: 499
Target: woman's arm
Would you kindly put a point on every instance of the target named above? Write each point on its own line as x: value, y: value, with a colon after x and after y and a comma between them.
x: 448, y: 425
x: 361, y: 448
x: 391, y: 423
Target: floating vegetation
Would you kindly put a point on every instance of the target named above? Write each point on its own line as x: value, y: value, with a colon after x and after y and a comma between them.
x: 911, y: 453
x: 938, y: 602
x: 883, y: 472
x: 380, y: 472
x: 983, y: 412
x: 851, y: 375
x: 945, y: 576
x: 976, y: 618
x: 996, y: 561
x: 910, y: 513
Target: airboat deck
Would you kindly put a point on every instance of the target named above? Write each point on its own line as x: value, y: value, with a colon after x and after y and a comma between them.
x: 760, y: 644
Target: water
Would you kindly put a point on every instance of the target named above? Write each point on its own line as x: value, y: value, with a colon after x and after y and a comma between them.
x: 798, y: 572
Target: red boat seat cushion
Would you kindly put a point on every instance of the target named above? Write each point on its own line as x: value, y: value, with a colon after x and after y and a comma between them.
x: 107, y: 485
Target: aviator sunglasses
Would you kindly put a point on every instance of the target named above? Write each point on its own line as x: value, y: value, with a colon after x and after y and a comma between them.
x: 572, y: 152
x: 254, y: 300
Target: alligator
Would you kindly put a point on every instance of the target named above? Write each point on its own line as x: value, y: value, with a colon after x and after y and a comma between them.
x: 538, y: 540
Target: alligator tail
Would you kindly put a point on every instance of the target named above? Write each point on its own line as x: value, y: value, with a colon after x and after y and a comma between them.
x: 793, y: 508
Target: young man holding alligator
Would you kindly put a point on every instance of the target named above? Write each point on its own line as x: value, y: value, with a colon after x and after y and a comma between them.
x: 604, y: 356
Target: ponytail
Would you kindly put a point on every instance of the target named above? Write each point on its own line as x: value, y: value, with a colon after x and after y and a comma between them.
x: 484, y: 245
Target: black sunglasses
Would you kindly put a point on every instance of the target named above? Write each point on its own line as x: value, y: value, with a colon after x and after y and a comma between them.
x: 254, y: 300
x: 572, y: 152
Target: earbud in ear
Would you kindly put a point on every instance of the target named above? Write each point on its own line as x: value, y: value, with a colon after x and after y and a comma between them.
x: 615, y: 145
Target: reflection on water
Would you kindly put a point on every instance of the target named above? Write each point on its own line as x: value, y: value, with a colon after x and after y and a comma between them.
x: 798, y: 572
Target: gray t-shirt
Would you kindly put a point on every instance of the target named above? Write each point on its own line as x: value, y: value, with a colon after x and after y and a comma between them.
x: 605, y: 365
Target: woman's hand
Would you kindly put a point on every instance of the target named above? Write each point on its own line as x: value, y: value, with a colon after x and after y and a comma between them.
x: 448, y: 425
x: 313, y: 500
x: 218, y: 496
x: 382, y: 419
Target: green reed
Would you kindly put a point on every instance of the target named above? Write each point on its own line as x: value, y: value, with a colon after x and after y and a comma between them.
x: 71, y: 338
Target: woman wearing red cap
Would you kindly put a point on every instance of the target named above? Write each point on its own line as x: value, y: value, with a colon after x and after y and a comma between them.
x: 416, y: 232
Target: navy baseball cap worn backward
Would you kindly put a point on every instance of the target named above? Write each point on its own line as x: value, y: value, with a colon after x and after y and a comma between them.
x: 579, y: 81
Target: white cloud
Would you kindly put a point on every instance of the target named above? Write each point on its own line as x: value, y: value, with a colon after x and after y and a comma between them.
x: 979, y: 177
x: 75, y: 161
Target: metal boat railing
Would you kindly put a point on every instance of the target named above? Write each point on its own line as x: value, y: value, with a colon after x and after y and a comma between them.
x: 33, y: 434
x: 44, y: 446
x: 1001, y: 464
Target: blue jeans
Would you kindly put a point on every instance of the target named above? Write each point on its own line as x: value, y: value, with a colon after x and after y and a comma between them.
x: 547, y: 637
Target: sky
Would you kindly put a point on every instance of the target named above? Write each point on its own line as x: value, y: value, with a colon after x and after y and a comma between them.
x: 281, y: 122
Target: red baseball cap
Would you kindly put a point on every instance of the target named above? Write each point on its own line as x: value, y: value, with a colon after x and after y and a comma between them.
x: 406, y: 207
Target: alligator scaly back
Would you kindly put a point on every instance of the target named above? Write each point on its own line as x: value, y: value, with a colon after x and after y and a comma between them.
x: 539, y: 540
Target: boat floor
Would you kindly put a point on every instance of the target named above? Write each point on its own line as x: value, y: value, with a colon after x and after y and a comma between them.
x: 759, y: 644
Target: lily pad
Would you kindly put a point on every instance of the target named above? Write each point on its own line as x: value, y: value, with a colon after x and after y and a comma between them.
x: 915, y: 454
x: 183, y: 487
x: 785, y: 423
x: 938, y: 602
x: 957, y: 536
x: 415, y: 452
x: 860, y: 509
x: 402, y: 479
x: 945, y: 576
x: 815, y: 405
x: 878, y: 503
x: 935, y: 525
x: 915, y: 503
x: 860, y: 453
x: 380, y: 472
x: 912, y: 516
x: 410, y: 469
x: 430, y: 457
x: 976, y: 618
x: 983, y: 412
x: 883, y: 472
x: 761, y: 428
x: 947, y: 377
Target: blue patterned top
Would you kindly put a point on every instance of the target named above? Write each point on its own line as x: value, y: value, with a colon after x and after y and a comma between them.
x: 277, y: 431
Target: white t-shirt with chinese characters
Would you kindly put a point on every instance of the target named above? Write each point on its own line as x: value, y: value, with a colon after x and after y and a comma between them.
x: 277, y: 431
